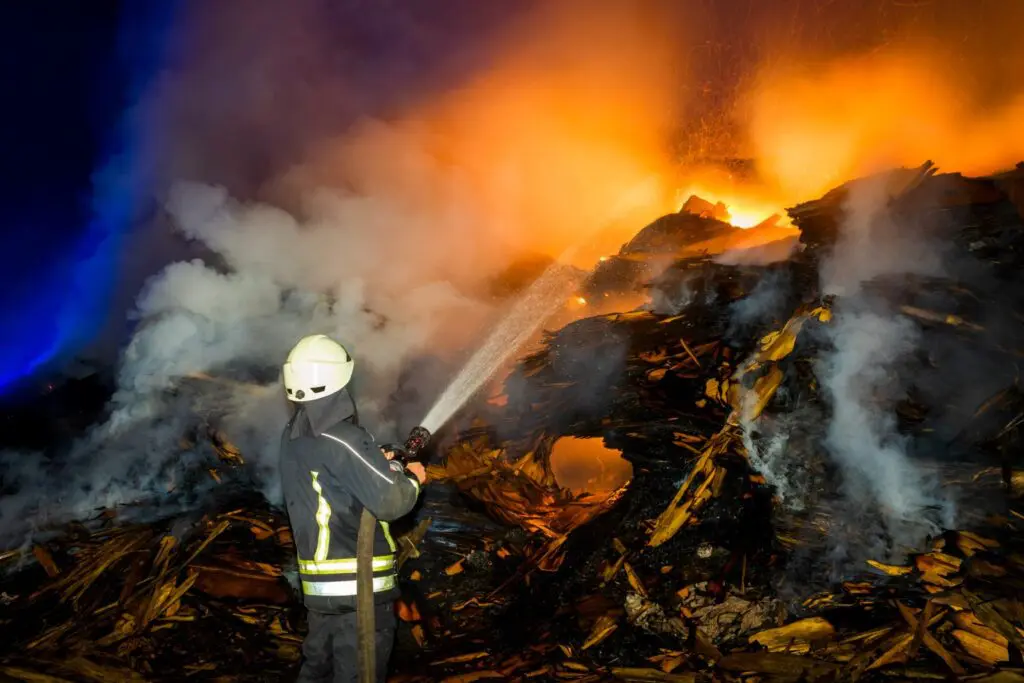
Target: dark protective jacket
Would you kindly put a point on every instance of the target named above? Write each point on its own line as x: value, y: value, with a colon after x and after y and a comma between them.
x: 331, y: 468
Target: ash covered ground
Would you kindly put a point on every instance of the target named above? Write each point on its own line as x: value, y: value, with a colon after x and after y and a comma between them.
x: 821, y: 426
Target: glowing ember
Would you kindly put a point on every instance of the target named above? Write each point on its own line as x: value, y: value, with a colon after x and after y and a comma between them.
x: 587, y: 465
x: 740, y: 211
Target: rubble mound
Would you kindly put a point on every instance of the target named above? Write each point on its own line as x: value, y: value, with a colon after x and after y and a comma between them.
x: 796, y: 431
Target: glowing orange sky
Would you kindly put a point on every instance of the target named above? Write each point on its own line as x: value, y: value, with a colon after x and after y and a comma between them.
x: 815, y: 126
x: 567, y: 130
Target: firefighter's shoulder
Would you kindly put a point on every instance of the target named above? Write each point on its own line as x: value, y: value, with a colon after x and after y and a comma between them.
x: 349, y: 435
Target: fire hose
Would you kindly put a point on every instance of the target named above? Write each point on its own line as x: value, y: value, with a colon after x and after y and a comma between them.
x: 366, y: 626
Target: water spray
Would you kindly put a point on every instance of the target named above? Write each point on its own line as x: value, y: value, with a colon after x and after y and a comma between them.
x: 533, y: 308
x: 536, y: 305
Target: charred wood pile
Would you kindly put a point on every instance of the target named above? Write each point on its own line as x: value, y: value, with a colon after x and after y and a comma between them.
x: 744, y: 547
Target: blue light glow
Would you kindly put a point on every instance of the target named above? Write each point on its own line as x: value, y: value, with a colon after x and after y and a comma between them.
x: 55, y: 303
x: 59, y: 311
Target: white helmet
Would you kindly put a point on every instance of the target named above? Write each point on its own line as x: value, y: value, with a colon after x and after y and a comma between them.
x: 317, y: 367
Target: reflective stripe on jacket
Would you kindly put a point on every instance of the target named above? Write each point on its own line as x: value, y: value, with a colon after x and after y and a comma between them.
x: 326, y: 481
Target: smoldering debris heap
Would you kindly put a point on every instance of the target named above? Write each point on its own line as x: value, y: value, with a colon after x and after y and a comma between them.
x: 825, y: 483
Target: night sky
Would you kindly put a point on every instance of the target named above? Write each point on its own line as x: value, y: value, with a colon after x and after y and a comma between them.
x: 92, y: 120
x: 69, y: 70
x: 106, y: 100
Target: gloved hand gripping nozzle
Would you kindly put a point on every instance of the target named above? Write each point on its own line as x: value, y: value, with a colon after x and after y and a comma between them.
x: 410, y: 450
x: 418, y: 438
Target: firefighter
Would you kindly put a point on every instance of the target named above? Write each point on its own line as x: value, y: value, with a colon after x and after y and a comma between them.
x: 330, y: 469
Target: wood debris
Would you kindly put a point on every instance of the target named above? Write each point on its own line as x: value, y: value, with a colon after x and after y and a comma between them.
x: 672, y: 577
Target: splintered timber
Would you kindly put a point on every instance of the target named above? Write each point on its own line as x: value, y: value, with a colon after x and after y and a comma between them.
x: 727, y: 394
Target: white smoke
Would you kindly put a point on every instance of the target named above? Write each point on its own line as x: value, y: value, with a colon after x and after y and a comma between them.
x: 378, y: 234
x: 889, y: 502
x: 862, y: 434
x: 769, y: 456
x: 858, y: 376
x: 382, y: 269
x: 761, y: 254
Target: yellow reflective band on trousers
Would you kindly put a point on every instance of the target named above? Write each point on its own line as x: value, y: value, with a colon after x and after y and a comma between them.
x: 323, y: 521
x: 346, y: 588
x: 387, y: 534
x: 347, y: 566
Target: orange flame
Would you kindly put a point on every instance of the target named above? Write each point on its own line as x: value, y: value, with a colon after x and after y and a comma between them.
x: 538, y: 158
x: 815, y: 126
x: 745, y: 206
x: 579, y: 106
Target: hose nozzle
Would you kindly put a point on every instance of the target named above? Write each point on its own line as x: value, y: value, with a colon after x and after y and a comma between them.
x: 418, y: 438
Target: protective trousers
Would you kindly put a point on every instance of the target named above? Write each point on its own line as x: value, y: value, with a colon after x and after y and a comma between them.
x: 330, y: 649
